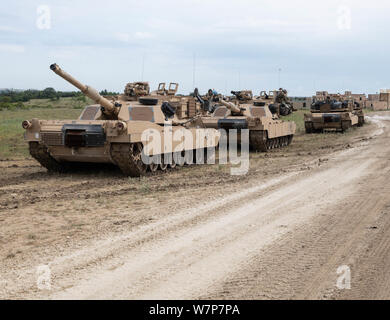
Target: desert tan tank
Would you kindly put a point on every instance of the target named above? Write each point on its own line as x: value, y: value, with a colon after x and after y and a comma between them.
x: 331, y: 112
x: 277, y: 101
x: 111, y: 132
x: 266, y: 130
x: 357, y: 109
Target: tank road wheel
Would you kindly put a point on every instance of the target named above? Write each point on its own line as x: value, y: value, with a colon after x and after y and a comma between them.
x: 40, y: 153
x: 280, y: 142
x: 172, y: 165
x: 163, y: 166
x: 128, y: 158
x: 274, y: 143
x: 136, y: 152
x: 153, y: 167
x: 177, y: 155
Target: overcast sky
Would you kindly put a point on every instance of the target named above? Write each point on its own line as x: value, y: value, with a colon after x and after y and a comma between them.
x: 231, y: 45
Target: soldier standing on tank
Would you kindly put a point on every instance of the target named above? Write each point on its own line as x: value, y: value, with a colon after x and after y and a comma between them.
x: 280, y: 96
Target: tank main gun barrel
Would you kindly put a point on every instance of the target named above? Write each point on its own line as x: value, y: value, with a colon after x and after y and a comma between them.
x: 108, y: 106
x: 231, y: 106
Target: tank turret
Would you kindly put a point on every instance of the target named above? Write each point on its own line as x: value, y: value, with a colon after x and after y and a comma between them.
x: 108, y: 108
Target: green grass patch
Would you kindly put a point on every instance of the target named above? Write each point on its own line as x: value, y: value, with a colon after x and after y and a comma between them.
x: 12, y: 144
x: 297, y: 117
x: 71, y: 102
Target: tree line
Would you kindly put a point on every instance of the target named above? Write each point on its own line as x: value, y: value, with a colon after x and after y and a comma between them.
x: 15, y: 99
x: 11, y: 96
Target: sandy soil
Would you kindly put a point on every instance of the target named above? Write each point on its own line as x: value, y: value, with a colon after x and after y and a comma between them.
x: 198, y: 232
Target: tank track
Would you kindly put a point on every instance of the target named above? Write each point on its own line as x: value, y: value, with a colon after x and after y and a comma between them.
x: 345, y: 125
x: 127, y: 157
x: 259, y: 141
x: 361, y: 121
x: 40, y: 153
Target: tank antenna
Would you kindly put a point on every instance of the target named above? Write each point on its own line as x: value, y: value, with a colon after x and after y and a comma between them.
x: 193, y: 70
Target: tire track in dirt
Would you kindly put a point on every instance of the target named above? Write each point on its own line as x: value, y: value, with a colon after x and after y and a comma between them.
x: 303, y: 265
x: 154, y: 231
x: 179, y: 264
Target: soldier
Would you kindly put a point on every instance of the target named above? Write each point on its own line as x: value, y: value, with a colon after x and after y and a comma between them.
x: 285, y: 106
x: 282, y: 96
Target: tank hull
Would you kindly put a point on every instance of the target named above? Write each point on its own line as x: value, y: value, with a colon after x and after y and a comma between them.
x: 265, y: 132
x: 56, y: 144
x: 339, y: 121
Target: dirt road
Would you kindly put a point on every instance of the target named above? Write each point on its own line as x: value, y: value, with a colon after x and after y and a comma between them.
x: 281, y: 232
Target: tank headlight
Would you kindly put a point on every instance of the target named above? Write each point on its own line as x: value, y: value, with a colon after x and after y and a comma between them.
x: 26, y: 124
x: 121, y: 126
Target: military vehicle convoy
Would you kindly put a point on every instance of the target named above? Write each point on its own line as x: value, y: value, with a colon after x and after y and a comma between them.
x: 266, y: 130
x: 111, y: 131
x: 332, y: 112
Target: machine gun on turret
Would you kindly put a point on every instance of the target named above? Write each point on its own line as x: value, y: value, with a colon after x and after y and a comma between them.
x: 243, y: 95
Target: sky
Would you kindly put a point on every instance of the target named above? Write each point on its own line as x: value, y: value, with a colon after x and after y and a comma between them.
x: 303, y: 46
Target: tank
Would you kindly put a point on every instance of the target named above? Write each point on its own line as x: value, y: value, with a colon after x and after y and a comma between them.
x: 358, y: 111
x: 266, y: 130
x: 332, y: 112
x: 110, y: 131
